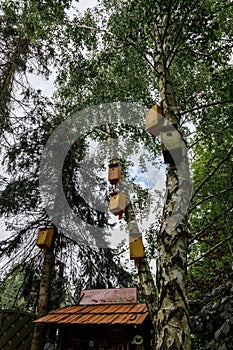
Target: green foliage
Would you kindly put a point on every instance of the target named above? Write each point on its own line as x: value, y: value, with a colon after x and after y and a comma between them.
x: 211, y: 207
x: 19, y: 288
x: 211, y: 319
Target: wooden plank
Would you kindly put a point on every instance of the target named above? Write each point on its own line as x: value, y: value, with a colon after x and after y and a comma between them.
x: 108, y: 296
x: 16, y: 330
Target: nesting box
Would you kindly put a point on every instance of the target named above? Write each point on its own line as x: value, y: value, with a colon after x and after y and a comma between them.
x: 171, y: 144
x: 114, y: 173
x: 45, y: 237
x: 117, y: 203
x: 134, y: 231
x: 154, y: 120
x: 136, y: 249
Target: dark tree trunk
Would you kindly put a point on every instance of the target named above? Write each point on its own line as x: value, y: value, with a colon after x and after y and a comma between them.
x: 40, y: 330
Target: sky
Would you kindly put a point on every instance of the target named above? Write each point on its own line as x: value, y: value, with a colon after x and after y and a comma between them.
x: 82, y: 5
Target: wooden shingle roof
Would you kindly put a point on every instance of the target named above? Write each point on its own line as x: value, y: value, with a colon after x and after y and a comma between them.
x: 109, y: 314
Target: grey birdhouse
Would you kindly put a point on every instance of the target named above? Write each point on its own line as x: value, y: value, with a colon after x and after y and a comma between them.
x: 171, y: 144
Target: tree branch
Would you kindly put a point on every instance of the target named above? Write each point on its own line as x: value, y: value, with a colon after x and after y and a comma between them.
x: 131, y: 43
x: 96, y: 29
x: 169, y: 10
x: 175, y: 48
x: 230, y: 4
x: 210, y: 196
x: 135, y: 46
x: 212, y: 172
x: 206, y: 105
x: 209, y: 134
x: 210, y: 224
x: 210, y: 250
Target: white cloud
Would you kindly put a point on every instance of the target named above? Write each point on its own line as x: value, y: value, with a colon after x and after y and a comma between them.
x: 83, y: 5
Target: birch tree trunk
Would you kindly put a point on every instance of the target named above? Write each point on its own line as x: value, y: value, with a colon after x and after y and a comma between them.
x: 172, y: 324
x: 170, y: 314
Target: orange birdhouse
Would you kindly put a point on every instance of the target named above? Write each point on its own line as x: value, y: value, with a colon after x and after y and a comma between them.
x: 45, y: 237
x: 117, y: 203
x: 114, y: 173
x: 154, y: 120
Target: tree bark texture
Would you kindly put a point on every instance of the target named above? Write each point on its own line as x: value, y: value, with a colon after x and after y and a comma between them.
x: 172, y: 327
x: 40, y: 330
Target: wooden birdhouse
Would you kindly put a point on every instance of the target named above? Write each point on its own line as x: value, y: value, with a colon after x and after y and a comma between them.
x: 171, y: 144
x: 114, y: 173
x: 117, y: 203
x: 136, y: 249
x: 45, y: 237
x: 153, y: 120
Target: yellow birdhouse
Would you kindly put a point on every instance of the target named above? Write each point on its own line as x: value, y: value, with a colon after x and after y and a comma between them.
x: 171, y: 144
x: 154, y: 120
x: 114, y: 173
x: 136, y: 249
x: 45, y: 237
x: 117, y: 203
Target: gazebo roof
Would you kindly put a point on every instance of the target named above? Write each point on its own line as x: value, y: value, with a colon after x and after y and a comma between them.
x: 105, y: 314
